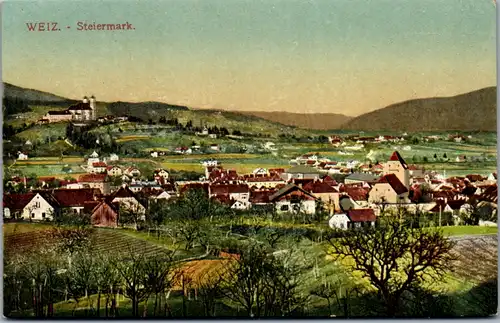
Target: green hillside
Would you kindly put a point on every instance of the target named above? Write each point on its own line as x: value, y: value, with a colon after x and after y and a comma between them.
x: 473, y: 111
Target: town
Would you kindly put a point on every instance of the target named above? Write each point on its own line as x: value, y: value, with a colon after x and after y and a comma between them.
x: 366, y: 189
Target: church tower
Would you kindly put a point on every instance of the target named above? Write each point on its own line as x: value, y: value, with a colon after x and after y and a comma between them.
x: 397, y: 166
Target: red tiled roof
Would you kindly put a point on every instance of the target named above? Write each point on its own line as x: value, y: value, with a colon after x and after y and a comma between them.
x: 356, y: 193
x: 261, y: 197
x: 17, y: 201
x: 228, y: 189
x: 361, y: 215
x: 397, y: 157
x: 395, y: 183
x: 74, y: 197
x: 99, y: 164
x: 92, y: 178
x: 319, y: 188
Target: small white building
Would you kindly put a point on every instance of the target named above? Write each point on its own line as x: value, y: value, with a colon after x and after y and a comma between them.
x: 354, y: 218
x: 210, y: 163
x: 154, y: 154
x: 113, y: 157
x: 22, y: 156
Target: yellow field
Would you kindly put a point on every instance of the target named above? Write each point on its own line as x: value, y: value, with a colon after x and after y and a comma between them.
x: 248, y: 168
x: 50, y: 161
x: 199, y: 271
x: 15, y: 228
x: 189, y: 167
x: 240, y: 168
x: 213, y: 156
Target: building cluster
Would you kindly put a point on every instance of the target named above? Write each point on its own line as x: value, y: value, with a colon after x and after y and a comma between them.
x: 356, y: 200
x: 79, y: 112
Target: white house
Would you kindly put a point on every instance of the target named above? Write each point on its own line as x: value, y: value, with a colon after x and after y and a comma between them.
x: 94, y: 155
x: 210, y: 163
x: 40, y: 208
x: 154, y: 154
x: 22, y: 156
x: 294, y: 199
x: 113, y: 157
x: 355, y: 218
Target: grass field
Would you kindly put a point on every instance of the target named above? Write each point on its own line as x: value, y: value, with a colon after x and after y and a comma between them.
x: 468, y: 230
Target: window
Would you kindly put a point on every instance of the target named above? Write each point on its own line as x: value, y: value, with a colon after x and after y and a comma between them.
x: 32, y: 215
x: 43, y: 215
x: 284, y: 208
x: 37, y: 205
x: 75, y: 211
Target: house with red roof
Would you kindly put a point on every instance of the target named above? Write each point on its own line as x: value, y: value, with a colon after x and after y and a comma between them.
x: 75, y: 199
x: 98, y: 168
x: 389, y: 189
x: 14, y: 204
x: 354, y: 218
x: 328, y: 194
x: 294, y: 199
x: 37, y: 206
x: 396, y: 165
x: 235, y: 192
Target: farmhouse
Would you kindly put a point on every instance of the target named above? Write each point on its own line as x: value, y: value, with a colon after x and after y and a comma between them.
x: 292, y: 198
x: 354, y: 218
x: 74, y: 199
x: 42, y: 206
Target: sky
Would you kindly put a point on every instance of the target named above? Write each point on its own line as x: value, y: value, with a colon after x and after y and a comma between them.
x: 324, y: 56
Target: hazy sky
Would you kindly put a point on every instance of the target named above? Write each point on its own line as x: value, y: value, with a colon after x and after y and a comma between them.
x: 339, y: 56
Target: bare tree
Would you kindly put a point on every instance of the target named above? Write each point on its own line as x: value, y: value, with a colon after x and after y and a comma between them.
x: 394, y: 258
x: 131, y: 269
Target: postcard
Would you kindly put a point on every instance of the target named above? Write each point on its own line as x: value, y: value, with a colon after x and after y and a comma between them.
x: 249, y: 159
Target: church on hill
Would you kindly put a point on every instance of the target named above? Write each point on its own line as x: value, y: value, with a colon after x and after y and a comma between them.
x: 80, y: 112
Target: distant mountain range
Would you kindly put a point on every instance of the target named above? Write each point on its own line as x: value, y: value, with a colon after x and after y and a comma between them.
x: 316, y: 121
x: 31, y: 96
x: 473, y: 111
